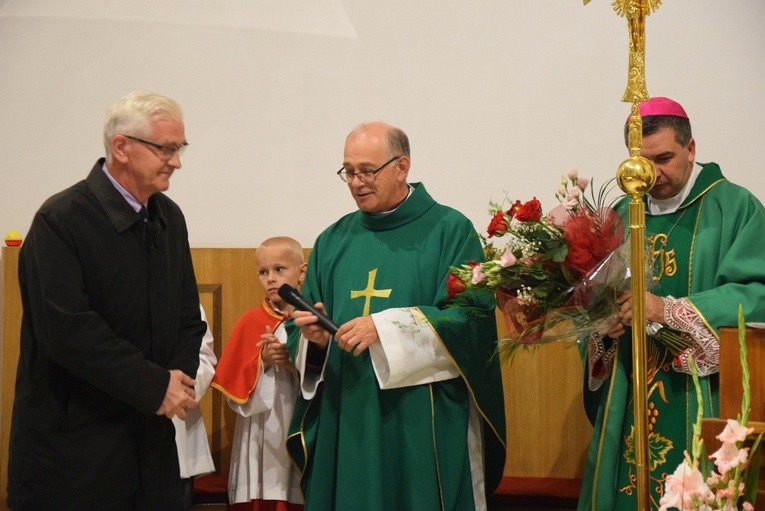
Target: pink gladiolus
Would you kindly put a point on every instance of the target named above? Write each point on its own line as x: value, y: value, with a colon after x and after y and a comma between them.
x: 682, y: 487
x: 729, y: 457
x: 734, y: 432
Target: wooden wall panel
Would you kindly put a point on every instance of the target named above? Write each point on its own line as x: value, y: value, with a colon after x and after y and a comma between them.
x: 9, y: 356
x: 231, y: 272
x: 547, y: 430
x: 731, y: 385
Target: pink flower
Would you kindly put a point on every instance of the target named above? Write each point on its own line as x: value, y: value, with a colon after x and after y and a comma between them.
x: 478, y: 275
x: 582, y: 182
x: 572, y: 175
x: 729, y: 457
x: 685, y: 486
x: 507, y: 259
x: 734, y: 432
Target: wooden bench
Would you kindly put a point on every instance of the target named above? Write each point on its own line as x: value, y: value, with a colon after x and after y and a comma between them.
x: 546, y: 492
x: 211, y: 489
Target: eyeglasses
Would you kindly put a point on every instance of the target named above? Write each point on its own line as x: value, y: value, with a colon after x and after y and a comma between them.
x: 365, y: 176
x: 166, y: 152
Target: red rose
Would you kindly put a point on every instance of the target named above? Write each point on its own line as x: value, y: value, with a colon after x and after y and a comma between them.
x: 498, y: 225
x: 531, y: 211
x: 514, y: 208
x: 454, y: 286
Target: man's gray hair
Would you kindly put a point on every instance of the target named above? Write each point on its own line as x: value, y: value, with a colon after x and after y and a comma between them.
x: 131, y: 114
x: 395, y: 139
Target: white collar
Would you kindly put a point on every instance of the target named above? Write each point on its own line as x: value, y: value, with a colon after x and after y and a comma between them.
x: 666, y: 206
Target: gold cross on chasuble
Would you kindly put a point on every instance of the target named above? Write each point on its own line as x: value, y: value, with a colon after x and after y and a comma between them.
x: 370, y: 292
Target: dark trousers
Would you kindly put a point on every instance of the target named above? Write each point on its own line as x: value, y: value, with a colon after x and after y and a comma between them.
x: 187, y: 486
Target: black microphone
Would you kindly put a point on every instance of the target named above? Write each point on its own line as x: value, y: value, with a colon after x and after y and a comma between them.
x: 290, y: 295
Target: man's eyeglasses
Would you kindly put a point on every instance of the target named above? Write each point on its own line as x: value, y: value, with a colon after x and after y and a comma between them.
x: 365, y: 176
x: 166, y: 152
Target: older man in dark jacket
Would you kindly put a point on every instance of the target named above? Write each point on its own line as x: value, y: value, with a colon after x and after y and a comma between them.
x: 111, y: 328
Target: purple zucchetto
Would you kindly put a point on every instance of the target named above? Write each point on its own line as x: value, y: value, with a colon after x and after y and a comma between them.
x: 661, y: 106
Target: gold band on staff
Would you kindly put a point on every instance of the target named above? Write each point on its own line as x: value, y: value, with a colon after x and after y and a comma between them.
x: 636, y: 176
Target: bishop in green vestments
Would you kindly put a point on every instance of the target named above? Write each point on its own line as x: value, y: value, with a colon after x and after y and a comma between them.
x: 403, y: 408
x: 706, y: 243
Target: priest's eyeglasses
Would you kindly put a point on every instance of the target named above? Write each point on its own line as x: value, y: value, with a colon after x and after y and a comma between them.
x: 365, y: 176
x: 164, y: 152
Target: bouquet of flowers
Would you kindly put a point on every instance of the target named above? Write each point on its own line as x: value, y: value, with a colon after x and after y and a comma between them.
x: 695, y: 486
x: 558, y: 275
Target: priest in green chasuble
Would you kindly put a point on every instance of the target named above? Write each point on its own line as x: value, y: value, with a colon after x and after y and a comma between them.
x: 403, y: 407
x: 706, y: 241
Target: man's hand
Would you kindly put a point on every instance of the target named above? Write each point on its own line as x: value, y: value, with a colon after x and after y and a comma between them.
x: 179, y: 395
x: 654, y: 308
x: 309, y: 326
x: 357, y: 335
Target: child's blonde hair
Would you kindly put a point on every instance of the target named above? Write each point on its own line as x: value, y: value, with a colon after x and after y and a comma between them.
x: 289, y: 243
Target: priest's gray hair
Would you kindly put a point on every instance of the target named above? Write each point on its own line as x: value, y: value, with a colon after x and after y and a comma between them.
x: 395, y: 139
x: 398, y: 142
x: 131, y: 114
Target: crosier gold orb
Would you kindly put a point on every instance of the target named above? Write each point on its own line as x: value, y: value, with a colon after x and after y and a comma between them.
x: 636, y: 176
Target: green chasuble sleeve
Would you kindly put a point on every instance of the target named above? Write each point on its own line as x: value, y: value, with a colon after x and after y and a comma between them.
x: 361, y: 447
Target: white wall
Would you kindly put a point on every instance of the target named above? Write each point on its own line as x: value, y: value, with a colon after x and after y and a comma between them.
x: 494, y: 94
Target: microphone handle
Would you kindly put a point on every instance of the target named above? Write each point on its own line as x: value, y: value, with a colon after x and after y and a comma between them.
x: 291, y: 296
x: 322, y: 319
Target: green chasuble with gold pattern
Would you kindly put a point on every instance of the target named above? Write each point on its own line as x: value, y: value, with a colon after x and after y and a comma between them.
x: 360, y: 447
x: 712, y: 251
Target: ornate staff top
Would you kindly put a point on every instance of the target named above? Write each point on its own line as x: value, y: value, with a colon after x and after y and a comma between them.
x: 635, y: 11
x: 636, y: 175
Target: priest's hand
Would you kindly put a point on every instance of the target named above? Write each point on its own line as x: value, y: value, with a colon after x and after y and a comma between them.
x: 309, y: 327
x: 179, y: 395
x: 654, y: 308
x: 616, y: 331
x: 357, y: 335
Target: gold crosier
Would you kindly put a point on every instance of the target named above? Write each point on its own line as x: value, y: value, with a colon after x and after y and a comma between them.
x: 636, y: 176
